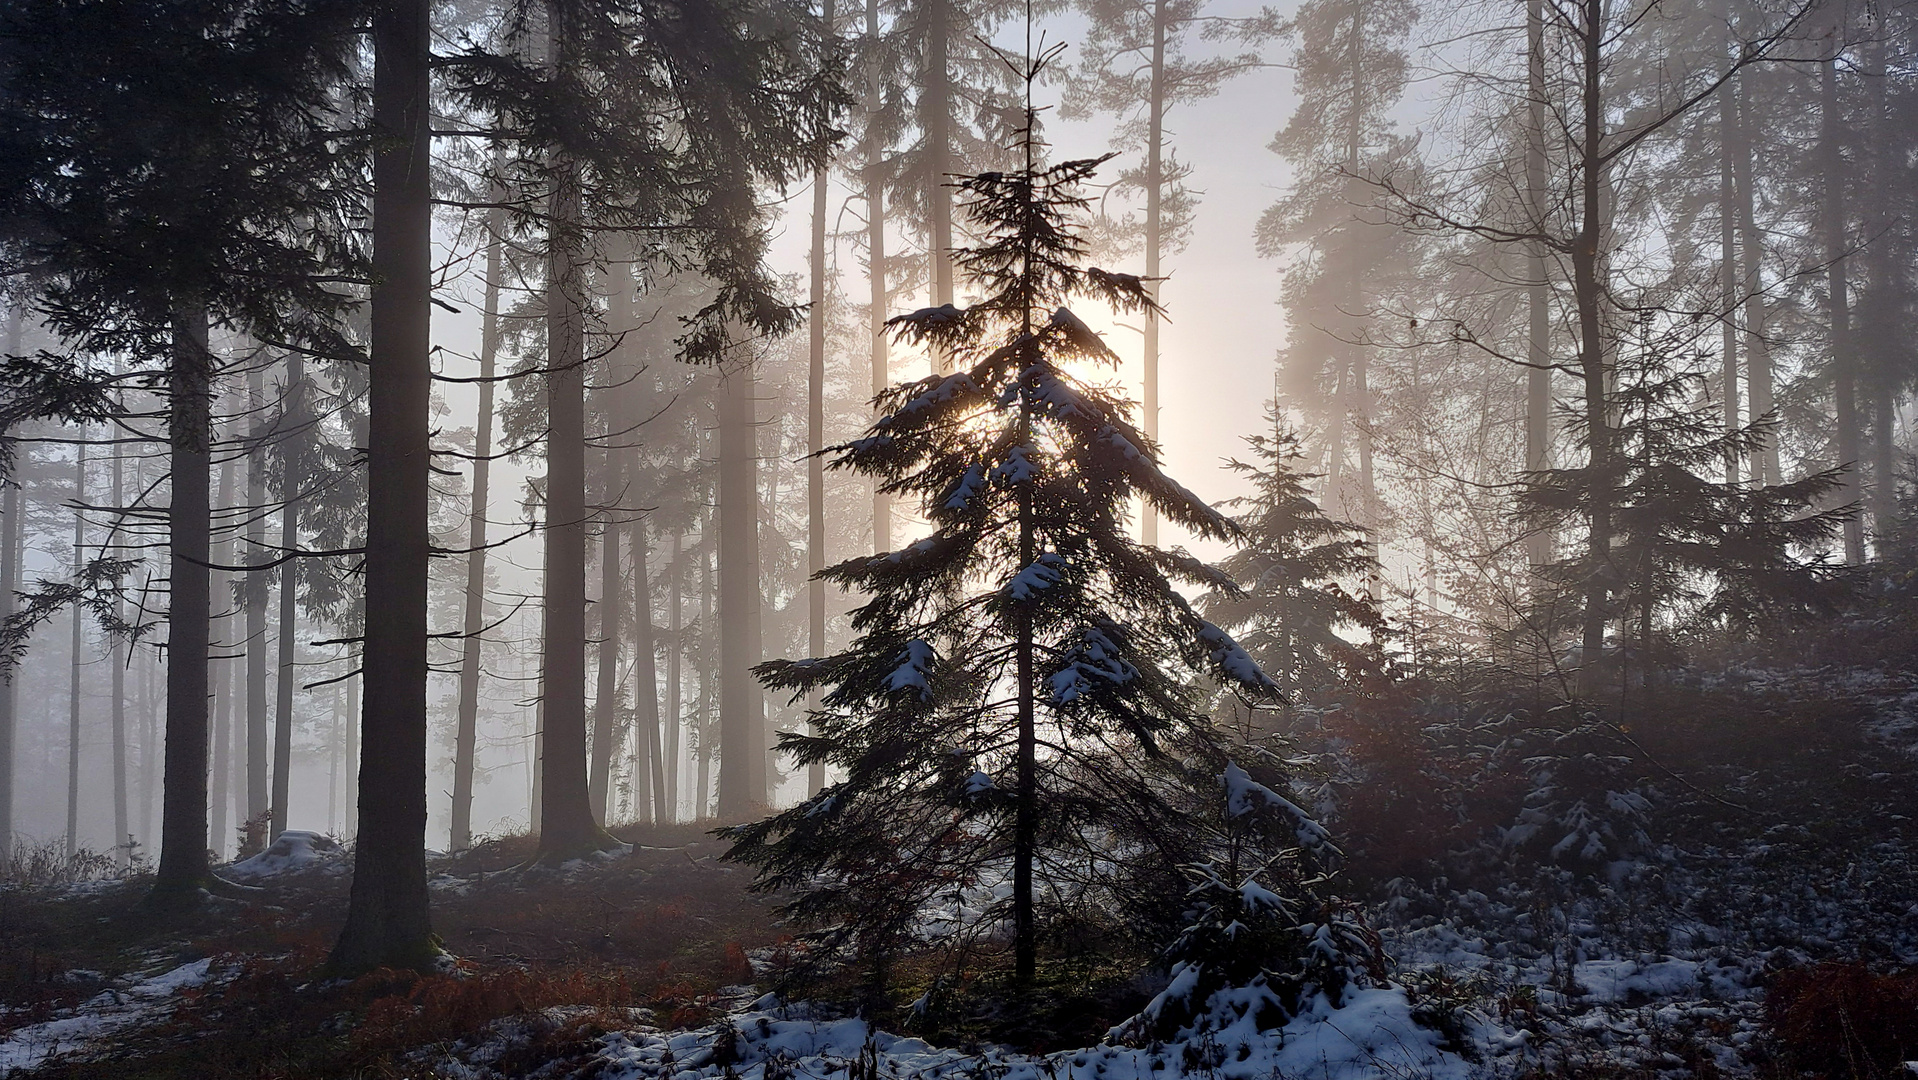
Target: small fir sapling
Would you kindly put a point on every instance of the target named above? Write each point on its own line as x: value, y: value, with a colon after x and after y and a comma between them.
x: 1289, y: 611
x: 1259, y: 944
x: 1021, y: 693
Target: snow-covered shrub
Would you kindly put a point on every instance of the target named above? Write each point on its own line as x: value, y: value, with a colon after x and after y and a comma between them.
x: 1256, y: 937
x: 1587, y: 802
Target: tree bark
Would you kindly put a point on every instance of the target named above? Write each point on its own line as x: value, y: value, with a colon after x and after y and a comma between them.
x: 259, y: 800
x: 292, y: 480
x: 742, y: 721
x: 1844, y: 361
x: 815, y: 441
x: 1586, y: 263
x: 73, y: 659
x: 221, y: 675
x: 935, y: 84
x: 1728, y: 274
x: 183, y: 866
x: 1154, y: 228
x: 387, y: 918
x: 117, y: 712
x: 876, y: 264
x: 649, y: 761
x: 567, y: 826
x: 1758, y: 373
x: 1538, y: 353
x: 675, y: 690
x: 612, y: 583
x: 466, y: 730
x: 10, y: 537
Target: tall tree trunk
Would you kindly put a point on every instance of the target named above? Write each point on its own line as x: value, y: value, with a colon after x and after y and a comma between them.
x: 221, y: 674
x: 742, y: 721
x: 816, y: 441
x: 649, y: 762
x: 183, y: 866
x: 73, y: 659
x: 675, y: 687
x: 466, y: 730
x: 612, y: 583
x: 709, y: 677
x: 1538, y: 352
x: 387, y: 918
x: 117, y: 712
x: 876, y: 263
x: 11, y: 535
x: 1025, y: 830
x: 350, y: 782
x: 259, y: 800
x: 1880, y: 359
x: 1844, y: 361
x: 1758, y: 373
x: 1728, y: 273
x: 1154, y: 234
x: 935, y: 87
x: 567, y: 827
x: 1587, y: 260
x: 292, y: 481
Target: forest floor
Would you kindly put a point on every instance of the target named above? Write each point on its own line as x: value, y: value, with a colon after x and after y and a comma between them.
x: 1766, y: 926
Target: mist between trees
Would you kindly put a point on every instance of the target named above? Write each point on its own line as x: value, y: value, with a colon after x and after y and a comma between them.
x: 420, y: 424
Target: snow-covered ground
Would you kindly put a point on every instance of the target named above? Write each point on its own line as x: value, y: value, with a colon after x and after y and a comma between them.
x: 1372, y: 1036
x: 90, y: 1028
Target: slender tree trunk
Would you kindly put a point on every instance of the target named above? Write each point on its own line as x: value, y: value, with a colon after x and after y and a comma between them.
x: 1728, y: 273
x: 709, y: 677
x: 742, y: 722
x: 1758, y: 373
x: 1586, y: 261
x: 1881, y: 359
x: 650, y: 763
x: 350, y: 783
x: 183, y: 866
x: 73, y: 659
x: 1844, y: 361
x: 466, y: 731
x: 876, y: 264
x: 149, y: 749
x: 1154, y: 237
x: 567, y: 826
x: 221, y: 675
x: 1538, y: 353
x: 292, y: 481
x: 10, y: 536
x: 122, y: 834
x: 333, y: 765
x: 387, y: 919
x: 606, y: 696
x: 675, y: 687
x: 936, y: 90
x: 816, y: 441
x: 259, y: 799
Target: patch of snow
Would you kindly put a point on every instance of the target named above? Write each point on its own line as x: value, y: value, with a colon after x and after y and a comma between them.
x: 913, y: 669
x: 1042, y: 574
x: 1371, y: 1037
x: 1236, y: 662
x: 91, y: 1026
x: 293, y: 851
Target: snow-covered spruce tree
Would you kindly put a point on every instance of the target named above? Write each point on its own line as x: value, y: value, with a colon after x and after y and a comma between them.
x: 1257, y: 944
x: 1288, y: 609
x: 1021, y: 693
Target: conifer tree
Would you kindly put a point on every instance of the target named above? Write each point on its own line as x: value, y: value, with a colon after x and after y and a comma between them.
x: 1018, y: 685
x: 1289, y: 608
